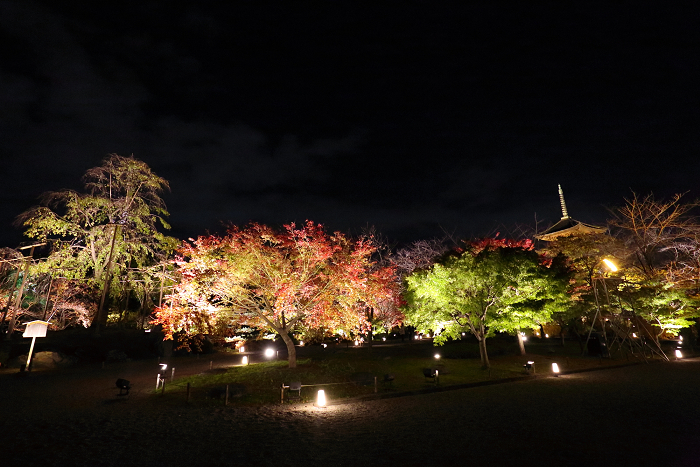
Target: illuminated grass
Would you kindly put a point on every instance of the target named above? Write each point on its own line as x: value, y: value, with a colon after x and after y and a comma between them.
x: 345, y: 372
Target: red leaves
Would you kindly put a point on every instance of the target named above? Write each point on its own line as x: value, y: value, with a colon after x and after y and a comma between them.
x: 294, y: 275
x: 477, y: 246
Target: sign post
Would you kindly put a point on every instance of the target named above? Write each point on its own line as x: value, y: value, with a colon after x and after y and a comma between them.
x: 34, y: 329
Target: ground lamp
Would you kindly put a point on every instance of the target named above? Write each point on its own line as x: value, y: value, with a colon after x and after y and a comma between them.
x: 679, y: 354
x: 123, y: 385
x: 555, y: 369
x: 321, y: 398
x: 245, y: 360
x: 160, y: 377
x: 530, y: 366
x: 34, y: 329
x: 269, y: 353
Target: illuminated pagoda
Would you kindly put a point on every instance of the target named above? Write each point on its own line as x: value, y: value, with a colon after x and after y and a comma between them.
x: 568, y: 226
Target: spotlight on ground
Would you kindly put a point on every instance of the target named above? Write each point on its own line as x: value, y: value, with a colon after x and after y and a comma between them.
x: 555, y: 369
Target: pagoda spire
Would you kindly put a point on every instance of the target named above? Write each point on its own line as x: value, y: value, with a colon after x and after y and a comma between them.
x: 564, y: 212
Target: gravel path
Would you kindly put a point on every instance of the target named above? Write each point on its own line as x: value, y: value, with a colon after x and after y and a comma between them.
x: 639, y: 415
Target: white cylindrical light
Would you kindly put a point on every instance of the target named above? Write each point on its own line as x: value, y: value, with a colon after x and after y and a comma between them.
x: 555, y: 368
x: 321, y: 398
x: 242, y: 349
x: 679, y: 354
x: 245, y: 360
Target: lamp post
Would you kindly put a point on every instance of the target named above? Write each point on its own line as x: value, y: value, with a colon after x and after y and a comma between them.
x: 613, y: 268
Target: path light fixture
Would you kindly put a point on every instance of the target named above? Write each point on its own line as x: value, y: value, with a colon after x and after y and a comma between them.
x: 321, y: 399
x: 530, y: 366
x: 555, y: 369
x: 241, y: 349
x: 245, y: 361
x: 123, y: 385
x: 679, y: 354
x: 270, y: 353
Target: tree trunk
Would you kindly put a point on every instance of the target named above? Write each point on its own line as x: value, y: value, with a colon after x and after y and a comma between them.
x: 561, y: 333
x: 370, y: 334
x: 482, y: 346
x: 484, y: 355
x: 291, y: 350
x: 521, y: 343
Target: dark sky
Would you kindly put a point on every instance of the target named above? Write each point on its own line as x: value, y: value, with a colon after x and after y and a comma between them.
x: 418, y: 117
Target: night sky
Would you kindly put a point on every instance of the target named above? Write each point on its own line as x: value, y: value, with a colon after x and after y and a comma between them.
x: 418, y: 117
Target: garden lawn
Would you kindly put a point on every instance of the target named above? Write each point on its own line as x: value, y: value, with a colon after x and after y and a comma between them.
x: 346, y: 372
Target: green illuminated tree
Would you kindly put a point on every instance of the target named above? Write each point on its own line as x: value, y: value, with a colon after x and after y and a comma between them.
x: 119, y: 216
x: 659, y: 280
x: 493, y: 285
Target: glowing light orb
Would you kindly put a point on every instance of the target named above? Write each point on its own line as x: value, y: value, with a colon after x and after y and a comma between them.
x: 269, y: 353
x: 610, y: 265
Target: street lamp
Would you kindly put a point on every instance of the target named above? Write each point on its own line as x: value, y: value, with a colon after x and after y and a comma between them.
x: 612, y: 267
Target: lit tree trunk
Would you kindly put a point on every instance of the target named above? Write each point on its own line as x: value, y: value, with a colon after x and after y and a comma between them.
x: 482, y: 346
x: 291, y: 350
x: 521, y: 343
x: 370, y: 334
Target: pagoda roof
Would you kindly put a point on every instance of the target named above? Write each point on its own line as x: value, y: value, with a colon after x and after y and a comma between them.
x: 567, y: 225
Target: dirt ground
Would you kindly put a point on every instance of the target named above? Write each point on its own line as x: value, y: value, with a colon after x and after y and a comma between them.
x: 637, y: 415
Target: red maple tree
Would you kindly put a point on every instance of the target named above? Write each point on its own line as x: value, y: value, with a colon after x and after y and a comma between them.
x: 277, y: 280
